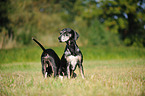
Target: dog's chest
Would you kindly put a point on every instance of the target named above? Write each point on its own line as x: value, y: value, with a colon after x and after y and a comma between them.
x: 73, y: 60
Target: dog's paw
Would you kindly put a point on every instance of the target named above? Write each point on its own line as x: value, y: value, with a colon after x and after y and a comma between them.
x: 61, y: 77
x: 46, y: 75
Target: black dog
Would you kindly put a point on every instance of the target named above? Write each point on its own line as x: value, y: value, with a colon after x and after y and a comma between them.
x: 72, y: 55
x: 50, y: 61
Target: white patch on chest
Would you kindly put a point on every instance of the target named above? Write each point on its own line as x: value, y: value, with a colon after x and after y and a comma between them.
x: 73, y: 60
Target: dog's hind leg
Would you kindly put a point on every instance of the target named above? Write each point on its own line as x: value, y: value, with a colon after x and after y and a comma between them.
x: 43, y: 67
x: 44, y: 70
x: 53, y: 66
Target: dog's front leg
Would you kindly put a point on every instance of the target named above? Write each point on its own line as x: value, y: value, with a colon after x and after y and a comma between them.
x: 68, y: 71
x: 81, y: 70
x: 46, y: 75
x: 72, y: 74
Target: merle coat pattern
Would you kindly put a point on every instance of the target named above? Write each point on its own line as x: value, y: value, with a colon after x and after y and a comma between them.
x: 72, y: 55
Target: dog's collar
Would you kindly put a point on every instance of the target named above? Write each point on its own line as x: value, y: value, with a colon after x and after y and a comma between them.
x: 72, y: 47
x: 71, y: 42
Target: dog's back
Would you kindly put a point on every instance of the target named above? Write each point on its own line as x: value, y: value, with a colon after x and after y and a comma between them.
x: 53, y: 56
x: 50, y: 61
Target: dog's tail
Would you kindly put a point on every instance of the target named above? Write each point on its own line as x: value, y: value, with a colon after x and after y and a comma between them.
x: 38, y: 44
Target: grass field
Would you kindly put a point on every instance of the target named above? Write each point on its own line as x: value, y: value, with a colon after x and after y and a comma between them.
x: 120, y: 73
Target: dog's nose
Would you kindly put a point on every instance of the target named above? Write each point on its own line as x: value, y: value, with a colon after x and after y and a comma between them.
x: 59, y: 39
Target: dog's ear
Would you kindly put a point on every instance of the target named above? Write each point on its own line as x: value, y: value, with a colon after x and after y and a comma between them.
x: 76, y: 35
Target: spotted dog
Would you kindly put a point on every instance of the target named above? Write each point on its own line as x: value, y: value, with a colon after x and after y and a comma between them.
x: 72, y: 55
x: 50, y: 61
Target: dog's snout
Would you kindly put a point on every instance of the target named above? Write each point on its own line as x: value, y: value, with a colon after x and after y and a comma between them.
x: 59, y: 38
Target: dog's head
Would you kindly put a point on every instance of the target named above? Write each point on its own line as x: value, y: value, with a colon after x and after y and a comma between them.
x: 68, y: 34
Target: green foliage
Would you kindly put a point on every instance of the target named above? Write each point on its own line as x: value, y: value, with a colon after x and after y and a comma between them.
x: 30, y: 18
x: 68, y: 7
x: 126, y: 18
x: 45, y: 18
x: 99, y: 36
x: 32, y: 54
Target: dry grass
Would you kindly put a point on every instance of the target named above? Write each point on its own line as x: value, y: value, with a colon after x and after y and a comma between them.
x: 103, y: 78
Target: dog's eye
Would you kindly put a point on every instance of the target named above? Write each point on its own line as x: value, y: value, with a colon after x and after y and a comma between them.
x: 66, y: 34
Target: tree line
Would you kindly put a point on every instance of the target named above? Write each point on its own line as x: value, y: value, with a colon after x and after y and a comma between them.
x: 124, y: 18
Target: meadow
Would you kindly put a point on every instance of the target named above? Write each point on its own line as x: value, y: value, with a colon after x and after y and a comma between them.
x: 109, y: 71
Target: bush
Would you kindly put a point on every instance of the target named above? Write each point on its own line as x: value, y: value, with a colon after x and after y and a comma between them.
x: 96, y: 34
